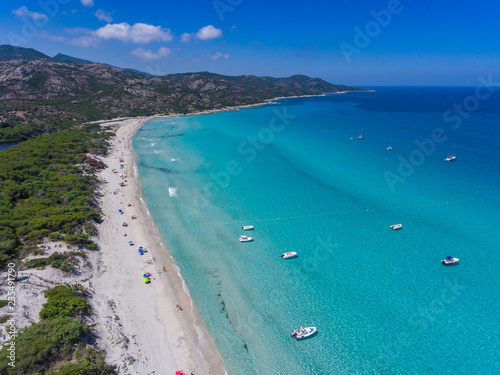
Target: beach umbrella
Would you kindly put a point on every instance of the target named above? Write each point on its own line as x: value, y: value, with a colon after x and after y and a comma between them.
x: 120, y: 211
x: 140, y: 251
x: 180, y: 373
x: 148, y: 274
x: 146, y: 280
x: 129, y: 241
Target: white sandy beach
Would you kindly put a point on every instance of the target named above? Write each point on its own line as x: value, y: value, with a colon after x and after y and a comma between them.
x: 138, y: 325
x: 141, y: 328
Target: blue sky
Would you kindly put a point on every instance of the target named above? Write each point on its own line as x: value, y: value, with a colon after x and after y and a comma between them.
x: 349, y: 42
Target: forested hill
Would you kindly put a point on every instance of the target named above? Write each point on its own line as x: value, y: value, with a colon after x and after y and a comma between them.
x: 50, y: 93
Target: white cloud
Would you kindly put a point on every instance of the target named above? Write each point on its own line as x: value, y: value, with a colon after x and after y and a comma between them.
x: 218, y: 55
x: 208, y: 32
x: 137, y: 33
x: 186, y: 37
x: 103, y: 16
x: 87, y: 3
x: 146, y: 54
x: 24, y: 12
x: 85, y: 41
x: 55, y: 38
x: 80, y: 30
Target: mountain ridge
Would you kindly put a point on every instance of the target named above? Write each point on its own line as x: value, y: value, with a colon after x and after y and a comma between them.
x: 50, y: 93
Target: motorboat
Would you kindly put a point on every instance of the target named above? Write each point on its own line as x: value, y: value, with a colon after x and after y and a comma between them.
x: 245, y: 239
x: 247, y: 227
x: 290, y: 254
x: 389, y: 148
x: 396, y: 226
x: 450, y: 158
x: 302, y: 332
x: 449, y: 261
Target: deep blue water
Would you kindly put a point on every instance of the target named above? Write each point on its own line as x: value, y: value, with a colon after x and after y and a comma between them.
x: 381, y: 299
x: 4, y: 146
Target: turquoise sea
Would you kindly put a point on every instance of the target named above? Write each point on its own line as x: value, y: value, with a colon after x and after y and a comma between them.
x: 381, y: 299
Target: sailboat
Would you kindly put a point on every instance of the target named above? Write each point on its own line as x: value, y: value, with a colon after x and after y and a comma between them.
x: 362, y: 135
x: 452, y: 156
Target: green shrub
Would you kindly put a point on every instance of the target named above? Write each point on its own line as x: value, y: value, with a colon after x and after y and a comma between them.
x: 66, y: 266
x: 3, y: 303
x: 91, y: 246
x: 55, y: 236
x: 56, y: 263
x: 4, y: 318
x: 42, y: 344
x: 39, y: 262
x: 89, y: 361
x: 48, y: 347
x: 63, y: 301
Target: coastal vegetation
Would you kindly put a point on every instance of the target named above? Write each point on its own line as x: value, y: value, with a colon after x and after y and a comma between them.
x: 55, y: 344
x: 40, y: 94
x: 56, y: 260
x: 47, y: 191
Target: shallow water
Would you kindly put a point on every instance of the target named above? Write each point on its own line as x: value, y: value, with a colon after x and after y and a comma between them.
x: 381, y: 300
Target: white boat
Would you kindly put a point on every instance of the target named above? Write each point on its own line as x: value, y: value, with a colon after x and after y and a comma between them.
x: 389, y: 148
x: 247, y: 227
x: 450, y: 158
x: 362, y: 135
x: 245, y: 239
x: 396, y: 226
x: 449, y: 260
x: 174, y: 159
x: 302, y: 332
x: 290, y: 254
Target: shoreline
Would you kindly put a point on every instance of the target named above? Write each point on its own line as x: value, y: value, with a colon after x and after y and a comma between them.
x: 182, y: 336
x: 220, y: 110
x: 172, y: 340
